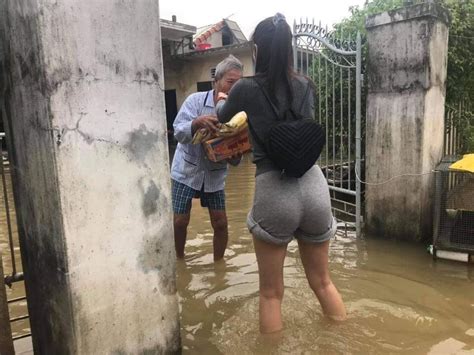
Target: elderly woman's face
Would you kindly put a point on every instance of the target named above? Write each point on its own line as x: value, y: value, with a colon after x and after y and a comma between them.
x: 225, y: 83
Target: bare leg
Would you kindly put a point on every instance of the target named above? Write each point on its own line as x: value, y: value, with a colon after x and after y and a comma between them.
x: 270, y: 260
x: 181, y: 222
x: 219, y: 224
x: 315, y: 262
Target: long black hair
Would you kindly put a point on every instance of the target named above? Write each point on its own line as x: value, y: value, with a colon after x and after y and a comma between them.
x: 274, y: 61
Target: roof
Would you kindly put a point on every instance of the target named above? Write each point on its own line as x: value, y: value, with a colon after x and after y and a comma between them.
x: 175, y: 31
x: 203, y: 33
x: 234, y: 48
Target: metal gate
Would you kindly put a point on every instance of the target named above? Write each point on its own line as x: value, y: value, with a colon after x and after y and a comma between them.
x: 333, y: 62
x: 14, y: 323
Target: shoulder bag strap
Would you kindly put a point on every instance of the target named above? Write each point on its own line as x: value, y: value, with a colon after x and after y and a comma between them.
x: 275, y: 110
x: 252, y: 130
x: 298, y: 115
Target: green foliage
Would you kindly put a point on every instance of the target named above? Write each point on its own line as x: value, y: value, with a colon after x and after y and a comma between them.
x: 460, y: 79
x: 460, y: 83
x: 356, y: 21
x: 335, y: 103
x: 461, y: 117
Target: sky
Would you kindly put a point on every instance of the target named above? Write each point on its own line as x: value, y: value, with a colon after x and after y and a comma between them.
x: 247, y: 13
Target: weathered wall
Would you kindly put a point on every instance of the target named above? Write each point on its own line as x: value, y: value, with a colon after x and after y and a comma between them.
x: 85, y: 113
x: 405, y: 117
x: 183, y: 73
x: 215, y: 39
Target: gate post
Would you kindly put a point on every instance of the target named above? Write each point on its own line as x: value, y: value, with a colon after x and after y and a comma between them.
x: 6, y: 341
x: 407, y: 64
x: 85, y: 115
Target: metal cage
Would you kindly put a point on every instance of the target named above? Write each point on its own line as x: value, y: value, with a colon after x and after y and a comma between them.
x: 454, y: 209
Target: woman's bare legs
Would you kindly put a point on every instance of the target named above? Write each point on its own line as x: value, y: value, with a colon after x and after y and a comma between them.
x: 315, y: 262
x: 270, y: 259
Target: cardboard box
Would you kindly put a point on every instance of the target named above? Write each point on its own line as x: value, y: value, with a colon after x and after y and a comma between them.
x: 221, y: 148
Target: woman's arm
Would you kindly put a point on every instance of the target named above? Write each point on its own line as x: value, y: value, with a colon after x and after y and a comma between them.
x: 227, y: 108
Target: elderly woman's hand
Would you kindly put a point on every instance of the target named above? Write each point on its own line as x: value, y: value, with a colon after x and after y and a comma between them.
x: 211, y: 123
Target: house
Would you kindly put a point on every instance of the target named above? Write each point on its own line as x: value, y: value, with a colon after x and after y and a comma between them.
x: 190, y: 56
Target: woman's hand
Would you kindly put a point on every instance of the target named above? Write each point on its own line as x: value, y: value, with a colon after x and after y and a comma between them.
x: 221, y: 96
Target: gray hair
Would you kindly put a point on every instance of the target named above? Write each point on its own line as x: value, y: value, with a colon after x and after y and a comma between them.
x: 226, y: 65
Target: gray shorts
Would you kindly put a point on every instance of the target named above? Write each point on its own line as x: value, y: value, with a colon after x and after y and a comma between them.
x: 290, y: 207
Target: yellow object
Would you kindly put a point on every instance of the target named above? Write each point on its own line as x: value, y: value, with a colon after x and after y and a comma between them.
x: 236, y: 125
x: 238, y: 121
x: 465, y: 164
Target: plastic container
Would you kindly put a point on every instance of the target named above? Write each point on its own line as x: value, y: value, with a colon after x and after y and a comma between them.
x: 449, y: 255
x: 203, y: 46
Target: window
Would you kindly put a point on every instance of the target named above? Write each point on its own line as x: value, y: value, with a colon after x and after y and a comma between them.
x: 204, y: 86
x: 171, y: 108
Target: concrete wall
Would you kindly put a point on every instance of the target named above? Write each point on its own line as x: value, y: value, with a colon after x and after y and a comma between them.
x: 183, y: 73
x: 405, y: 117
x: 215, y: 40
x: 82, y: 85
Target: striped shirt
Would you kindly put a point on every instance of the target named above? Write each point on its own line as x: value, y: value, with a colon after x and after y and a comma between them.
x: 190, y: 164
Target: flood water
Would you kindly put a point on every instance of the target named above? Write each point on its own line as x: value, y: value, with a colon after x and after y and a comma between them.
x: 399, y: 300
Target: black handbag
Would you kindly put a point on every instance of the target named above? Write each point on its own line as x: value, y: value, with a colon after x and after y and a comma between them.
x: 294, y: 143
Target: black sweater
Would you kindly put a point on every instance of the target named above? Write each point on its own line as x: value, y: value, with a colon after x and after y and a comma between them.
x: 246, y: 95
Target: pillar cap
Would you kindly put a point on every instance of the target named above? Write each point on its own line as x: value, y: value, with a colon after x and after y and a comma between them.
x: 428, y: 9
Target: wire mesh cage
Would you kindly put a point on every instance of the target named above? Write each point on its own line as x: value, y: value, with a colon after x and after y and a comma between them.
x: 454, y: 208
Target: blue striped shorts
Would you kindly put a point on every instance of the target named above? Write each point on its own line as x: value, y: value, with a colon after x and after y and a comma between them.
x: 182, y: 196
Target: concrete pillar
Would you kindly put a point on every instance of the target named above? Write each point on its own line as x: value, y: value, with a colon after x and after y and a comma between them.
x: 84, y: 106
x: 405, y: 117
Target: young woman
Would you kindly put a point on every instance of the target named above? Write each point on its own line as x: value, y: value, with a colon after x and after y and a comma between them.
x: 284, y: 207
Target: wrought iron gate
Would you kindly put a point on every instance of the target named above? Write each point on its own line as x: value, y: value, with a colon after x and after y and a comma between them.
x: 333, y: 62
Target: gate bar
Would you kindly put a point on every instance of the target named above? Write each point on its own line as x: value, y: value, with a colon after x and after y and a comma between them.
x: 6, y: 340
x: 7, y: 208
x: 358, y: 136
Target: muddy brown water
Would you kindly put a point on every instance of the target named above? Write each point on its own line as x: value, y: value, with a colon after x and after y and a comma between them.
x: 399, y: 300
